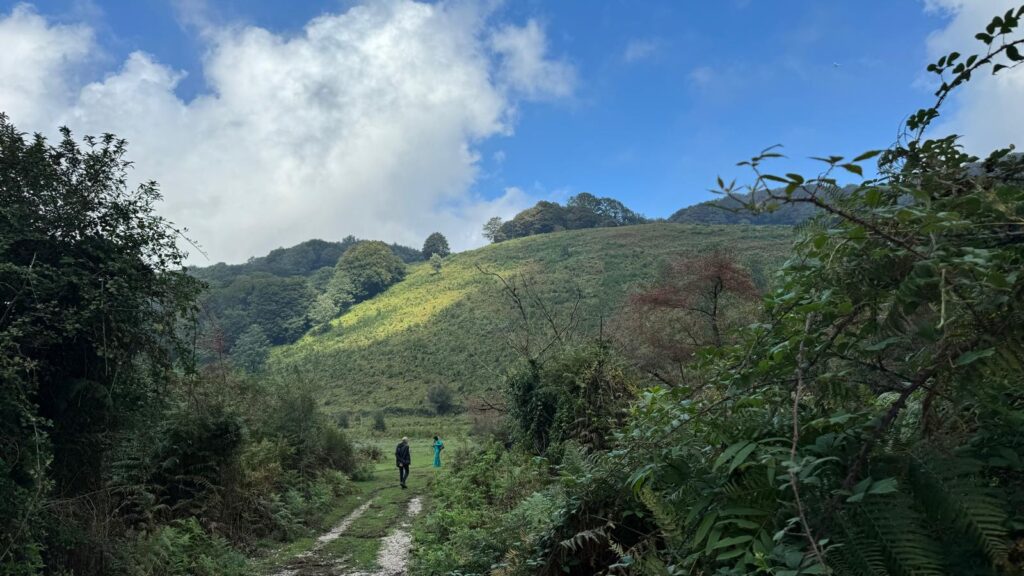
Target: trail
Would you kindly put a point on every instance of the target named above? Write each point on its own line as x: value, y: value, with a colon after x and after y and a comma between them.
x: 392, y: 557
x: 311, y: 562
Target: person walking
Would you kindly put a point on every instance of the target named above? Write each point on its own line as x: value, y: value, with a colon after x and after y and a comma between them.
x: 438, y: 446
x: 403, y: 459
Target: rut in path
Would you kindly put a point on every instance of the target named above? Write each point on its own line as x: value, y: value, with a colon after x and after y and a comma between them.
x: 392, y: 559
x: 309, y: 562
x: 394, y: 548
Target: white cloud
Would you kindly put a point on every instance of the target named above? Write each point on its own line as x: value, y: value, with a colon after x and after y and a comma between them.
x: 524, y: 64
x: 984, y: 110
x: 36, y: 61
x: 640, y: 49
x: 365, y: 123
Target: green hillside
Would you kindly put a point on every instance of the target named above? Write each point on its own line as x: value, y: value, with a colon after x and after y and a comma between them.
x: 450, y: 328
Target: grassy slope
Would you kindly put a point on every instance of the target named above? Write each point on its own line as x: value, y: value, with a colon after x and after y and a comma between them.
x: 450, y: 327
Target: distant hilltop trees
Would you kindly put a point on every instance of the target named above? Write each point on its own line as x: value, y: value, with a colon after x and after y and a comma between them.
x: 582, y: 211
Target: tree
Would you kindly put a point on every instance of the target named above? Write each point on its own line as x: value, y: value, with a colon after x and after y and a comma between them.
x: 436, y: 243
x: 251, y: 350
x: 441, y: 399
x: 695, y: 303
x: 436, y: 262
x: 95, y: 305
x: 370, y: 267
x: 336, y: 297
x: 491, y: 229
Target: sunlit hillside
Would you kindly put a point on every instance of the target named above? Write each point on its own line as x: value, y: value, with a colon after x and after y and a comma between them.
x: 451, y: 328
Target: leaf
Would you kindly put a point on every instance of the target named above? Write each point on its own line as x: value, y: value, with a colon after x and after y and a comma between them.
x: 968, y: 357
x: 854, y: 168
x: 867, y: 155
x: 884, y: 486
x: 725, y: 542
x: 882, y: 344
x: 741, y: 456
x: 704, y: 527
x: 728, y: 453
x: 1013, y: 53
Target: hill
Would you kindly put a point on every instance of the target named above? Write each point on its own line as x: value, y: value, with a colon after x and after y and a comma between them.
x: 271, y: 293
x: 725, y: 210
x: 451, y: 328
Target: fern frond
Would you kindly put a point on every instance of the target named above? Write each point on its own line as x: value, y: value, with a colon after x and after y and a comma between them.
x: 893, y: 521
x: 954, y: 491
x: 854, y: 552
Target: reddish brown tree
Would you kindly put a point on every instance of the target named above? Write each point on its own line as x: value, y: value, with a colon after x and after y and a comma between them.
x: 693, y: 304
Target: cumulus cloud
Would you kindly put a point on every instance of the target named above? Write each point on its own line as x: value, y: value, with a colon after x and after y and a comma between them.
x: 524, y: 63
x: 984, y: 111
x: 36, y: 63
x: 364, y: 123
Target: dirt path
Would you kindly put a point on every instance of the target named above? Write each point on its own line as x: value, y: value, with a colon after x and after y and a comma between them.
x: 393, y: 557
x: 375, y: 539
x: 310, y: 562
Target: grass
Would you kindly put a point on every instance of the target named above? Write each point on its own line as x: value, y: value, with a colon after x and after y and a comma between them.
x: 451, y: 328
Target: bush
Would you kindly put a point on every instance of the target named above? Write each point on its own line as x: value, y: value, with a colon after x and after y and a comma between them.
x: 336, y: 451
x: 364, y: 472
x: 441, y: 399
x: 379, y: 424
x: 370, y: 453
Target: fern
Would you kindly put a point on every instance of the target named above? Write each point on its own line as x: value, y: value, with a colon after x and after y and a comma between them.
x: 955, y: 493
x: 893, y: 522
x: 856, y: 554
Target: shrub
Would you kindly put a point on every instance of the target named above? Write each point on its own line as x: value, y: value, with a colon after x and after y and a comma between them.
x: 181, y: 548
x: 370, y: 452
x: 441, y: 399
x: 379, y: 424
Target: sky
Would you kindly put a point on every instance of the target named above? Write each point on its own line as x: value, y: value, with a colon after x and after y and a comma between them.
x: 267, y: 123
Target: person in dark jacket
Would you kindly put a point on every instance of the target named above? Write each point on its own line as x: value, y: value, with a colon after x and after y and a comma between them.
x: 403, y: 460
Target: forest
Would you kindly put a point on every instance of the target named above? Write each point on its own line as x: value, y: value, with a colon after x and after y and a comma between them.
x: 838, y: 391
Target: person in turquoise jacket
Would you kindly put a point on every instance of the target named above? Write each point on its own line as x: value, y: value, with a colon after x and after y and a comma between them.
x: 438, y: 446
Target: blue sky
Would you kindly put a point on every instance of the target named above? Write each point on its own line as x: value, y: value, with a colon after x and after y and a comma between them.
x: 657, y: 98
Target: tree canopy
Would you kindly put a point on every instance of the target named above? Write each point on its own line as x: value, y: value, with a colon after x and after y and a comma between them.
x: 436, y: 243
x: 581, y: 211
x: 94, y: 296
x: 370, y: 267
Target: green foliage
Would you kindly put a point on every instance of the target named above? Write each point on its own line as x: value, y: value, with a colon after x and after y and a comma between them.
x: 379, y: 424
x: 437, y: 244
x: 181, y: 548
x: 115, y: 458
x: 93, y: 298
x: 277, y: 305
x: 285, y: 293
x: 442, y: 399
x: 370, y: 267
x: 251, y: 350
x: 581, y: 211
x: 436, y: 262
x: 492, y: 229
x: 452, y: 328
x: 580, y: 394
x: 486, y: 509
